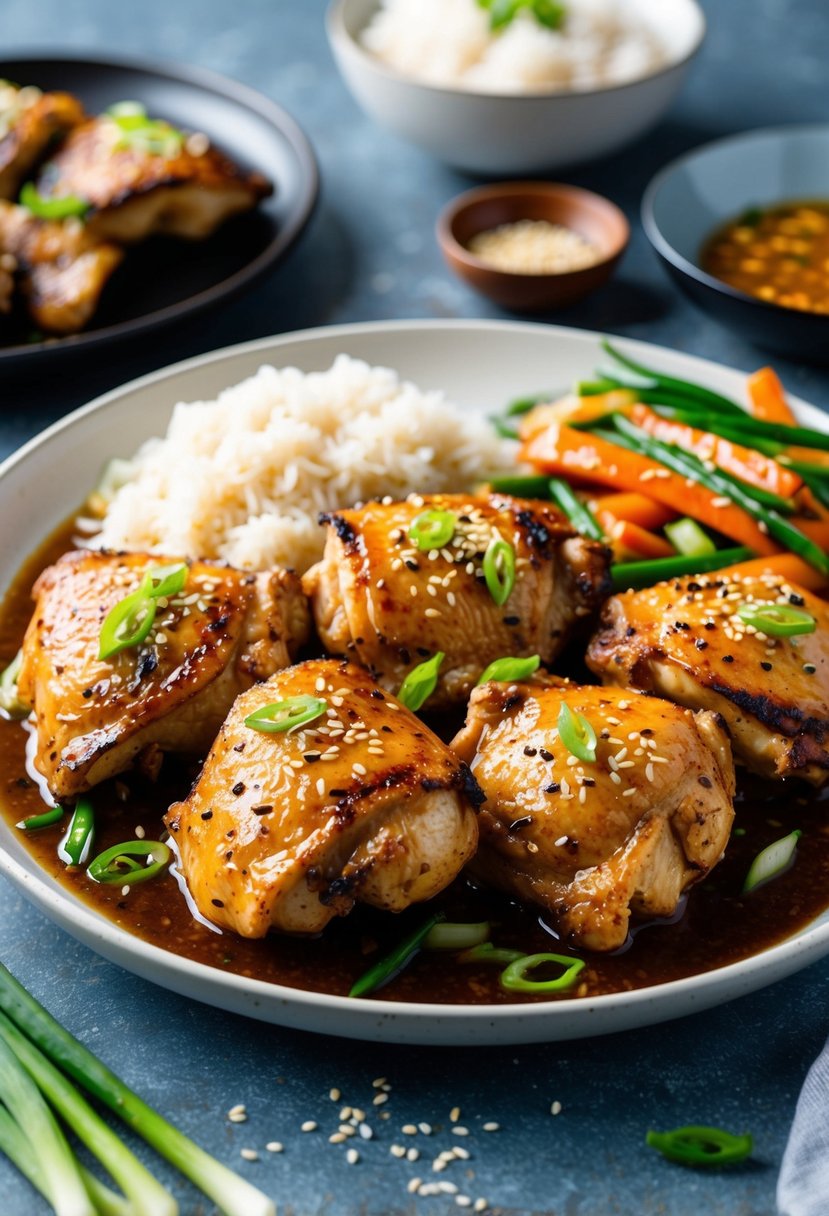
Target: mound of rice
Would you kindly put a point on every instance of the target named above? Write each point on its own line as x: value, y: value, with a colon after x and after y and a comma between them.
x: 243, y: 478
x: 449, y: 43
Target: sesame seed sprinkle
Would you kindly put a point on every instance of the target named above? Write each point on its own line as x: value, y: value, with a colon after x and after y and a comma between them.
x: 249, y: 1154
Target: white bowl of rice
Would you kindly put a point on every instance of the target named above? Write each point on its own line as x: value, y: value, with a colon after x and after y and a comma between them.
x: 522, y: 99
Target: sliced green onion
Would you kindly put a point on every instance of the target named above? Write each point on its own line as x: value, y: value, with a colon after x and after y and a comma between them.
x: 232, y: 1194
x: 533, y: 486
x: 127, y: 624
x: 163, y: 581
x: 136, y: 130
x: 64, y: 207
x: 285, y: 715
x: 393, y: 963
x: 777, y: 620
x: 672, y: 384
x: 772, y: 861
x: 576, y: 733
x: 76, y: 845
x: 510, y: 670
x: 452, y: 935
x: 116, y: 863
x: 704, y: 1146
x: 523, y: 405
x: 35, y: 822
x: 503, y: 429
x: 688, y: 538
x: 432, y: 529
x: 630, y: 576
x: 126, y: 109
x: 499, y: 569
x: 595, y: 388
x: 488, y: 953
x: 514, y: 976
x: 420, y: 683
x: 579, y: 514
x: 10, y: 702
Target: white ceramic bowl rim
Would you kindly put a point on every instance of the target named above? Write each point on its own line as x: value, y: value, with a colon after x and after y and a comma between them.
x: 339, y: 33
x: 664, y: 247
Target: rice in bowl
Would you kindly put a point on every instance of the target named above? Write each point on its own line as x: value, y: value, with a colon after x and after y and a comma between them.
x: 244, y: 478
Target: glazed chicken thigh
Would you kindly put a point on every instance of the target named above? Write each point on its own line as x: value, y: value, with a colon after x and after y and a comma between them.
x: 30, y: 121
x: 380, y: 599
x: 685, y: 640
x: 593, y: 842
x: 93, y: 717
x: 286, y: 830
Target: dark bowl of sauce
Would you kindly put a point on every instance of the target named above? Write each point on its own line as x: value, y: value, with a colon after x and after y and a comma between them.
x: 742, y: 227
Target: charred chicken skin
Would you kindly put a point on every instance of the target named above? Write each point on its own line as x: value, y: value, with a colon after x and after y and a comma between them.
x: 687, y: 641
x: 135, y: 190
x: 594, y: 842
x: 383, y: 601
x: 30, y: 122
x: 287, y: 830
x: 94, y: 717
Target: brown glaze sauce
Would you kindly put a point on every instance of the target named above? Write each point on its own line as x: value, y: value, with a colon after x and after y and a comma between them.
x: 715, y: 927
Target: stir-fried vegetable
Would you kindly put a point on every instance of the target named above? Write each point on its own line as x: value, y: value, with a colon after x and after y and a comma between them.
x: 515, y: 977
x: 129, y: 622
x: 671, y: 384
x: 44, y: 820
x: 60, y: 207
x: 768, y: 398
x: 393, y: 963
x: 579, y: 514
x: 117, y: 864
x: 76, y: 845
x: 630, y: 576
x: 688, y: 538
x: 455, y: 935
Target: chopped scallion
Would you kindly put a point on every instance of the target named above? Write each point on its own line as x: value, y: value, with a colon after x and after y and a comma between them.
x: 499, y: 569
x: 576, y: 733
x: 116, y: 864
x: 280, y: 716
x: 432, y: 529
x: 76, y: 845
x: 579, y: 514
x: 67, y: 206
x: 45, y: 820
x: 772, y: 861
x: 510, y: 670
x: 777, y: 620
x: 705, y: 1146
x: 688, y: 538
x: 515, y: 977
x: 452, y: 935
x: 393, y: 963
x: 420, y: 683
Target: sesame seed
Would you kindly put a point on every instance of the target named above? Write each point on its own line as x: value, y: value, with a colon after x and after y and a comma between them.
x: 460, y: 1131
x: 480, y: 1205
x: 347, y: 1129
x: 237, y: 1114
x: 308, y: 1126
x: 409, y: 1129
x: 249, y: 1154
x: 397, y: 1150
x: 615, y: 778
x: 352, y: 1156
x: 454, y: 1114
x: 462, y: 1154
x: 274, y: 1146
x: 358, y: 1115
x: 334, y: 1095
x: 139, y: 832
x: 492, y: 1127
x: 414, y: 1185
x: 628, y: 793
x: 365, y: 1131
x: 346, y: 1112
x: 320, y: 786
x: 412, y: 1154
x: 447, y: 1188
x: 555, y: 1109
x: 426, y: 1128
x: 125, y: 890
x: 432, y: 612
x: 380, y: 1098
x: 337, y: 1138
x: 463, y: 1201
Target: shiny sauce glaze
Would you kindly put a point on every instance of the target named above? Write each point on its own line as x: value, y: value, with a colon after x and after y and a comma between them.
x: 715, y: 926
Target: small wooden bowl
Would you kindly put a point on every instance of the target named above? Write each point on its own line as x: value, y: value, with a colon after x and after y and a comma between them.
x: 590, y: 215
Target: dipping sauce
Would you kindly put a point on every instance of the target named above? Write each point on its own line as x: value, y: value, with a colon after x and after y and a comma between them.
x: 779, y: 254
x: 533, y: 247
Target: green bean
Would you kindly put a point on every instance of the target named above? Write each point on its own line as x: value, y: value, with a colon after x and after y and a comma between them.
x: 633, y: 575
x: 671, y: 383
x: 579, y: 514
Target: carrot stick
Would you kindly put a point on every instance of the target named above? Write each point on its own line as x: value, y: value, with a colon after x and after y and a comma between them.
x: 581, y: 455
x: 635, y: 509
x: 816, y: 529
x: 630, y: 542
x: 751, y: 467
x: 788, y: 565
x: 806, y: 501
x: 573, y: 409
x: 768, y: 397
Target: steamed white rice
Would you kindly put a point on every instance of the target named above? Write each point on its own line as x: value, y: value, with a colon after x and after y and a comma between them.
x: 449, y: 43
x: 243, y: 478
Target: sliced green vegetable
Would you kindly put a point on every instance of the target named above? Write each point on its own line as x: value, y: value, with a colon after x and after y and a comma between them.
x: 534, y: 486
x: 684, y: 387
x: 164, y: 581
x: 117, y: 863
x: 629, y: 576
x: 76, y: 845
x: 281, y: 716
x: 420, y: 683
x: 576, y: 733
x: 393, y: 963
x: 137, y: 130
x: 432, y: 529
x: 514, y: 977
x: 579, y: 514
x: 688, y: 538
x: 488, y: 953
x: 45, y: 820
x: 523, y: 405
x: 772, y: 861
x: 63, y: 207
x: 127, y: 624
x: 701, y: 1146
x: 452, y: 935
x: 499, y: 569
x: 778, y: 620
x: 126, y: 109
x: 10, y: 702
x: 549, y: 13
x: 510, y: 670
x: 232, y: 1194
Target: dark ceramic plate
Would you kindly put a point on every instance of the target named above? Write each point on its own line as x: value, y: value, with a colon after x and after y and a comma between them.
x: 166, y: 280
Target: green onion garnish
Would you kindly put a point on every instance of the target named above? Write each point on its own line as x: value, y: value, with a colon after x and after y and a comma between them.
x: 499, y: 569
x: 549, y: 13
x: 523, y: 405
x: 579, y: 514
x: 671, y: 384
x: 64, y: 207
x: 136, y: 130
x: 510, y: 670
x: 488, y: 953
x: 116, y: 864
x: 514, y: 976
x: 76, y: 845
x: 393, y: 963
x: 576, y: 733
x: 777, y: 620
x: 421, y: 682
x: 10, y: 703
x: 285, y: 715
x: 129, y: 622
x: 704, y: 1146
x: 163, y: 581
x: 126, y: 109
x: 45, y: 820
x: 432, y: 529
x: 451, y: 935
x: 688, y: 538
x: 771, y: 862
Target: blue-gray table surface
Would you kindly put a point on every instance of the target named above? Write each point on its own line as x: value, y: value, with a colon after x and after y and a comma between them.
x: 370, y: 254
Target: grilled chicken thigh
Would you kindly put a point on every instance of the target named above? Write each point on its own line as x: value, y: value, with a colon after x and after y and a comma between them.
x: 62, y: 269
x: 30, y: 122
x: 178, y: 186
x: 685, y: 640
x: 593, y: 842
x: 287, y: 830
x: 378, y: 598
x: 93, y: 717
